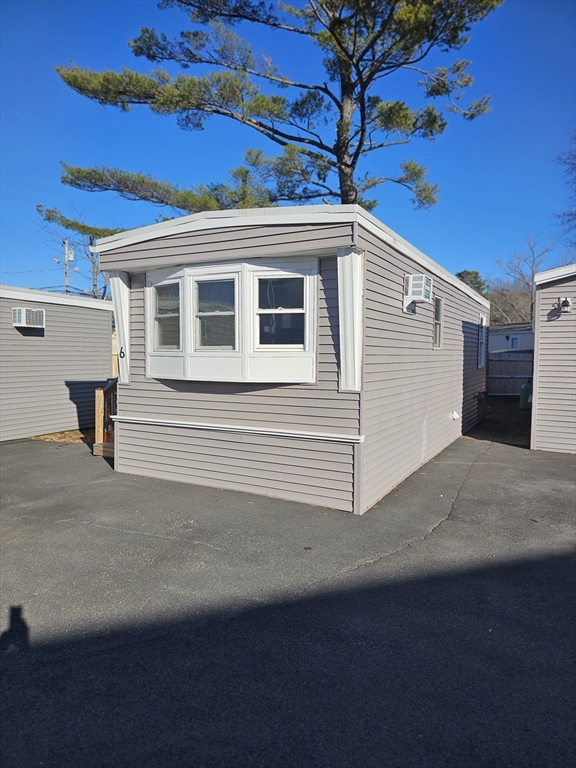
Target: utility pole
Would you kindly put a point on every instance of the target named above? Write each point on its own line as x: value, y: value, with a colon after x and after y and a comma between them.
x: 68, y: 257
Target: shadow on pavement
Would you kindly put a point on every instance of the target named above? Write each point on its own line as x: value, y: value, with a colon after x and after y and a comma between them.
x: 504, y: 422
x: 467, y: 668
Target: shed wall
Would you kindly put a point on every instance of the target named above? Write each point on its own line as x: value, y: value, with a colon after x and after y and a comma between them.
x: 554, y: 396
x: 48, y: 378
x: 411, y: 388
x: 317, y: 472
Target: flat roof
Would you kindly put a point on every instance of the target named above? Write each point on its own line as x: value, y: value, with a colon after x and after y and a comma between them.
x: 306, y: 214
x: 47, y: 297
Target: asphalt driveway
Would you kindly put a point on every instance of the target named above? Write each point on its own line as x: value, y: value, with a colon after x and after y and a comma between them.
x: 161, y: 624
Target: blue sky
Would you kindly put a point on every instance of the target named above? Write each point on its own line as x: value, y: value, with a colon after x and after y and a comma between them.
x: 498, y: 179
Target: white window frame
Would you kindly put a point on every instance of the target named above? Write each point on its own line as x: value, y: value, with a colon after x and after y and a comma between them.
x: 277, y: 275
x: 155, y: 346
x: 195, y: 315
x: 482, y: 328
x: 250, y: 361
x: 514, y: 339
x: 169, y: 362
x: 438, y: 323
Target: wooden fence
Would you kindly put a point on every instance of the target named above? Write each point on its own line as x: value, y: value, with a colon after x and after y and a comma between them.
x: 507, y: 371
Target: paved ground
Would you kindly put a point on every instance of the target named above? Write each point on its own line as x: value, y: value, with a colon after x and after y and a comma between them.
x: 172, y: 625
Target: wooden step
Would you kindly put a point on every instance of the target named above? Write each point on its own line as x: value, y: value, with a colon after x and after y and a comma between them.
x: 103, y: 449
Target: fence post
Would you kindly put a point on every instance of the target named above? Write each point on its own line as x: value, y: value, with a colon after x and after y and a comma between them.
x: 99, y: 417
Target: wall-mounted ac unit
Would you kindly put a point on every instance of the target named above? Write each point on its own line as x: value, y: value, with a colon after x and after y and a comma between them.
x: 24, y: 317
x: 417, y: 288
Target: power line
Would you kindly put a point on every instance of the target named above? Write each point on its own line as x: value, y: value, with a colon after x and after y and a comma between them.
x: 29, y: 271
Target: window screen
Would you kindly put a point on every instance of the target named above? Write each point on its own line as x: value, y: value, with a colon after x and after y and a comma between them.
x: 215, y: 314
x: 281, y: 311
x: 167, y: 316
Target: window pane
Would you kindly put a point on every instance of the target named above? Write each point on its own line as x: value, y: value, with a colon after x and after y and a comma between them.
x: 281, y: 293
x: 217, y: 331
x: 167, y: 299
x: 216, y: 296
x: 282, y: 329
x: 437, y: 328
x: 438, y: 310
x: 167, y: 333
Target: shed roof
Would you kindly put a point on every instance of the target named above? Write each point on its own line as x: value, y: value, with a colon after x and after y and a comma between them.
x: 507, y: 327
x: 558, y: 273
x: 308, y: 214
x: 47, y: 297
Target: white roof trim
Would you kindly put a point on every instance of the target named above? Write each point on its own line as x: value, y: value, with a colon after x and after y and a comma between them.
x: 328, y: 437
x: 45, y: 297
x: 555, y: 274
x: 308, y: 214
x: 248, y: 217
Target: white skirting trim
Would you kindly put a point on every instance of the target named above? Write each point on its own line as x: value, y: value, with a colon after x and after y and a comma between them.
x: 327, y: 437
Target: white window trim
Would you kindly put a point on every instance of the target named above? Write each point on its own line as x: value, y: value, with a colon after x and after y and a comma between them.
x: 438, y: 322
x: 482, y: 328
x: 512, y: 340
x: 120, y: 286
x: 250, y: 361
x: 350, y: 266
x: 194, y: 329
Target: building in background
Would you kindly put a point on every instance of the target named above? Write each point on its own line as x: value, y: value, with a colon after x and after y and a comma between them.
x: 55, y: 350
x: 512, y: 336
x: 554, y: 394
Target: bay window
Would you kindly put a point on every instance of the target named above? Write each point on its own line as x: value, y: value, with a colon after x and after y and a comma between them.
x: 242, y: 322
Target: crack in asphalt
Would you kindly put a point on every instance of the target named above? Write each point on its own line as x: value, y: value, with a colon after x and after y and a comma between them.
x: 413, y: 542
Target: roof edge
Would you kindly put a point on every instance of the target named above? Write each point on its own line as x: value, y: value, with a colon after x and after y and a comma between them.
x: 46, y: 297
x: 312, y: 214
x: 557, y: 273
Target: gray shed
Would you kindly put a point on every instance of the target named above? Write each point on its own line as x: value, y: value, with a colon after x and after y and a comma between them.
x: 305, y: 353
x: 554, y: 394
x: 55, y: 350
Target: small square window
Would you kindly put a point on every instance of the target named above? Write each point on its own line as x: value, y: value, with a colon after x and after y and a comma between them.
x: 514, y: 342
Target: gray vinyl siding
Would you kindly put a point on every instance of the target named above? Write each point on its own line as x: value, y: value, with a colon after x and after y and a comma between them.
x: 410, y: 388
x: 228, y: 244
x: 315, y: 472
x: 554, y: 397
x: 47, y: 379
x: 287, y: 468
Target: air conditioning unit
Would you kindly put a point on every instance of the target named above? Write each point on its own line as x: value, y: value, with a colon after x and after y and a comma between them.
x: 417, y: 288
x: 24, y: 317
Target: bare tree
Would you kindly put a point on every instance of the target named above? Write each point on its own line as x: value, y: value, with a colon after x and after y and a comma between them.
x: 567, y: 219
x: 513, y: 298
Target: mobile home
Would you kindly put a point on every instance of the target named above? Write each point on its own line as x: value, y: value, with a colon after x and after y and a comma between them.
x: 306, y: 353
x: 55, y: 350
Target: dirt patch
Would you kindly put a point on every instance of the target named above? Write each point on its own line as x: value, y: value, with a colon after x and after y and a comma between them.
x: 71, y: 436
x: 504, y: 422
